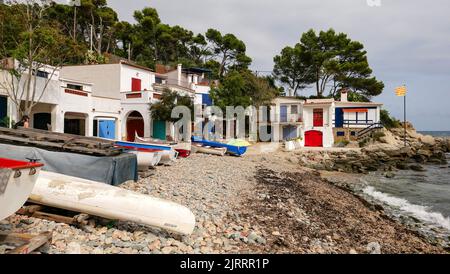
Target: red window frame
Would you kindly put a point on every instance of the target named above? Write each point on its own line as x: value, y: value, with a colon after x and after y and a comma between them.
x: 136, y: 84
x: 318, y: 117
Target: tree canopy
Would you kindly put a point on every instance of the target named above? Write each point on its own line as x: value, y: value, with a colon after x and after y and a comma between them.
x: 330, y: 61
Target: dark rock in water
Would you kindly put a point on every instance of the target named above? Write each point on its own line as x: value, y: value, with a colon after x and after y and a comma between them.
x: 389, y: 175
x: 401, y: 166
x: 417, y: 168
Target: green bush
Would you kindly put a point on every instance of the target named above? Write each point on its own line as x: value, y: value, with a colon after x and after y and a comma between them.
x: 377, y: 135
x: 388, y: 121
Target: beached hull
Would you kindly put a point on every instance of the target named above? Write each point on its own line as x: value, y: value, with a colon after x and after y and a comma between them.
x: 220, y: 151
x: 17, y: 180
x: 235, y: 150
x: 183, y: 149
x: 111, y: 202
x: 147, y: 159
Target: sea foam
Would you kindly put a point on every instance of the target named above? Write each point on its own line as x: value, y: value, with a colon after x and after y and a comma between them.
x: 422, y: 213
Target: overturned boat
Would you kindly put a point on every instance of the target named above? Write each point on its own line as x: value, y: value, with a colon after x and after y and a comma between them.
x: 219, y: 151
x: 231, y: 149
x: 17, y: 179
x: 183, y: 148
x: 110, y: 202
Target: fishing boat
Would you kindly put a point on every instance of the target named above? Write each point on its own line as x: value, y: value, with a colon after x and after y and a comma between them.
x: 231, y: 149
x: 168, y: 154
x: 17, y: 179
x: 145, y: 157
x: 110, y: 202
x: 183, y: 148
x: 198, y: 148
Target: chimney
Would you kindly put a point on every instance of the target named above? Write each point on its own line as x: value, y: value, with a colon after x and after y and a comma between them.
x: 344, y: 95
x: 179, y: 69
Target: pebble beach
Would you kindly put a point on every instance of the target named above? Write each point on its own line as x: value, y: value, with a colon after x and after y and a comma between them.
x: 259, y: 203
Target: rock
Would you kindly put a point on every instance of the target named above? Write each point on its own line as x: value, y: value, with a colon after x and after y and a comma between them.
x: 276, y: 233
x: 427, y: 140
x: 156, y: 244
x: 73, y: 248
x: 352, y: 251
x: 389, y: 175
x: 418, y: 168
x: 424, y: 152
x: 168, y: 250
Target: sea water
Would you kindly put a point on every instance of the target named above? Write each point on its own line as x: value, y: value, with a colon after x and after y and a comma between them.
x: 418, y: 198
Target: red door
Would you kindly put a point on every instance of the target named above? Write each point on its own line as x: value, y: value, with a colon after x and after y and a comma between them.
x: 313, y: 138
x: 134, y: 126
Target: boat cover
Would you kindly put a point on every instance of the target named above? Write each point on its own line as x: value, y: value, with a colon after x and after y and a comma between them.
x: 113, y: 170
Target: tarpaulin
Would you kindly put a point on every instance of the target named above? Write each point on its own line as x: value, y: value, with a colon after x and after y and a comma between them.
x: 113, y: 170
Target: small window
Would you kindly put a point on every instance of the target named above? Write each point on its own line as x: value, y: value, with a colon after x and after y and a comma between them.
x: 294, y: 109
x: 75, y: 87
x: 318, y: 117
x: 340, y: 133
x: 42, y: 74
x: 353, y: 133
x: 135, y: 84
x: 158, y: 80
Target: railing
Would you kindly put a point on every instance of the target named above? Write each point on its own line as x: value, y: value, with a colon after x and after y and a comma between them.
x: 369, y: 129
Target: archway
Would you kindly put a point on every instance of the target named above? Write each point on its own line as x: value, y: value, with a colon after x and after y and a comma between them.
x: 135, y: 124
x: 75, y: 123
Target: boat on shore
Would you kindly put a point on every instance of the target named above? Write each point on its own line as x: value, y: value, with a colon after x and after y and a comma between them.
x: 168, y: 154
x: 183, y: 148
x: 110, y: 202
x: 220, y: 151
x: 231, y: 149
x: 17, y: 180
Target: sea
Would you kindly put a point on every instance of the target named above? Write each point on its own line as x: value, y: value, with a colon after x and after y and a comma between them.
x: 419, y: 199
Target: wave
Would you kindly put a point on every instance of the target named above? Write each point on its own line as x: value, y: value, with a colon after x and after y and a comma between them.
x: 422, y: 213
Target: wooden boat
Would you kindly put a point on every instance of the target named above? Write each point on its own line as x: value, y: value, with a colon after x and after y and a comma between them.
x: 220, y: 151
x: 110, y: 202
x: 168, y: 154
x: 183, y: 148
x: 17, y: 179
x: 234, y: 150
x: 145, y: 157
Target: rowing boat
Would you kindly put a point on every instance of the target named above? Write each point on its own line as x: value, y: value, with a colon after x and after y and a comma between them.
x: 17, y: 179
x: 183, y: 148
x: 110, y: 202
x: 168, y: 154
x: 234, y: 150
x: 220, y: 151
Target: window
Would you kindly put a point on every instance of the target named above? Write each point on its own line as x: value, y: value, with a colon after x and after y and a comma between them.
x: 135, y: 84
x: 318, y: 117
x: 340, y: 133
x: 41, y: 73
x: 294, y: 109
x: 75, y: 87
x: 158, y: 80
x: 353, y: 133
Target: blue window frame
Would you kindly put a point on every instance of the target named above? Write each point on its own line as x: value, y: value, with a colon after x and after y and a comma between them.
x: 340, y: 133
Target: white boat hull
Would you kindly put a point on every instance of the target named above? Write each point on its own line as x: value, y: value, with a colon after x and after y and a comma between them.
x: 209, y: 150
x: 14, y: 192
x: 147, y: 159
x: 111, y: 202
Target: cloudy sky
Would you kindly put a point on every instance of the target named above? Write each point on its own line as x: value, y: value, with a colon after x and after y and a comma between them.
x: 408, y: 41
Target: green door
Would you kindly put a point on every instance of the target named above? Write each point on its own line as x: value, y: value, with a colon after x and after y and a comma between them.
x: 159, y: 130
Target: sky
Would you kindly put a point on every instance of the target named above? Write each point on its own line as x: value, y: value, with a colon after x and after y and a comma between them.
x: 408, y: 41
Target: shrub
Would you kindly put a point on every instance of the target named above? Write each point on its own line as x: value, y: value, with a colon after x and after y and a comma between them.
x: 388, y: 121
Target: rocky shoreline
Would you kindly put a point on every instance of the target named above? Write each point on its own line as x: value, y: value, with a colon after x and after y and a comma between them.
x: 386, y: 153
x: 254, y: 204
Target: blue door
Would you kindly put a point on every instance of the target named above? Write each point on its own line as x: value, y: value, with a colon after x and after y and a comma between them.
x: 339, y: 117
x: 289, y: 133
x: 107, y: 129
x: 206, y: 100
x: 283, y: 113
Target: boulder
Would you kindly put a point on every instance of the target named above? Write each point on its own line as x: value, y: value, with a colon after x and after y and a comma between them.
x: 419, y: 168
x: 425, y: 152
x: 427, y: 140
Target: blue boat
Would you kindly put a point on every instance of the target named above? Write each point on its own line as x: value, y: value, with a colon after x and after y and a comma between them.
x: 142, y: 146
x: 235, y: 150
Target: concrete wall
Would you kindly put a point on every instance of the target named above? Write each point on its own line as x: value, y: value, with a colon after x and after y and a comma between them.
x: 105, y: 78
